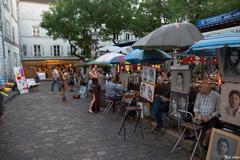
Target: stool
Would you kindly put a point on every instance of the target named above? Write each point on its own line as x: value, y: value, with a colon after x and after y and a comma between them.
x: 138, y: 109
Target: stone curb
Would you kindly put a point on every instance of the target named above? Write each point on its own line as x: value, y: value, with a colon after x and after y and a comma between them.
x: 11, y: 96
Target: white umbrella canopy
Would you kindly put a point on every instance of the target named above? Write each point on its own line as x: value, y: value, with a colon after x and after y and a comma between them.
x: 170, y: 36
x: 106, y: 58
x: 113, y: 49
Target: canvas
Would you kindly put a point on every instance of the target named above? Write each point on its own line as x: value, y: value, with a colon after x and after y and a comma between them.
x: 230, y: 103
x: 146, y: 110
x: 147, y: 91
x: 229, y: 63
x: 149, y: 74
x: 178, y: 101
x: 223, y: 145
x: 180, y: 80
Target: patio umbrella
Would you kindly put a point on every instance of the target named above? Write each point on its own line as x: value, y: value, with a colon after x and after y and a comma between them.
x: 208, y: 45
x: 105, y: 59
x: 118, y: 59
x: 170, y: 37
x: 147, y: 56
x: 114, y: 49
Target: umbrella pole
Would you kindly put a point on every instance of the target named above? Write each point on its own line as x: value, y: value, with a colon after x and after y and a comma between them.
x: 203, y: 63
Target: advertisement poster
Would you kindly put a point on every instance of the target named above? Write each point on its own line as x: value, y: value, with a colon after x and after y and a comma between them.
x: 20, y: 80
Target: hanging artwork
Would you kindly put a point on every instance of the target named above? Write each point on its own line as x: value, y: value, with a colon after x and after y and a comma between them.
x: 230, y: 103
x: 20, y: 80
x: 229, y: 63
x: 180, y: 79
x: 149, y: 74
x: 178, y: 101
x: 147, y: 91
x: 223, y: 145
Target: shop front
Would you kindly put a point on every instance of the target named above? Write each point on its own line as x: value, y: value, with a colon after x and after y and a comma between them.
x: 44, y: 66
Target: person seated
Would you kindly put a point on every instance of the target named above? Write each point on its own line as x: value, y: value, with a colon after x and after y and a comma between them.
x: 160, y: 106
x: 206, y: 111
x: 112, y: 89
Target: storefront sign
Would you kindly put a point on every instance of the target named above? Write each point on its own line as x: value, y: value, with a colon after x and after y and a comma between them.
x: 218, y: 19
x: 20, y: 80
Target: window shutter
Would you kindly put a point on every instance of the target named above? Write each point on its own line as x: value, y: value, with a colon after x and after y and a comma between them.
x: 31, y: 51
x: 51, y: 50
x: 61, y: 50
x: 42, y: 50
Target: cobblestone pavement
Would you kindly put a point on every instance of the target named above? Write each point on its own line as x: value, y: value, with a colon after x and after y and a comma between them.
x: 38, y: 126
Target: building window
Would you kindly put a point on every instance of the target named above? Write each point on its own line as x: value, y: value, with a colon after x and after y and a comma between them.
x: 127, y: 36
x: 56, y: 50
x: 36, y: 31
x: 37, y: 50
x: 24, y: 50
x: 8, y: 32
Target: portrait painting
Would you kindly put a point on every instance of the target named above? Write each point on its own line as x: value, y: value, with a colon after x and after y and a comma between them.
x: 146, y: 110
x: 230, y: 103
x: 149, y: 74
x: 180, y: 80
x: 147, y: 91
x: 229, y: 63
x: 178, y: 101
x: 223, y: 145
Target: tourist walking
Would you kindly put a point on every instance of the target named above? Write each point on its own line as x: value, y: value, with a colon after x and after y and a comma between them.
x: 56, y: 80
x: 71, y: 79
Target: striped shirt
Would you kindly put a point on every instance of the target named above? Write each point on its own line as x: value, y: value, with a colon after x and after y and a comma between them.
x: 207, y: 105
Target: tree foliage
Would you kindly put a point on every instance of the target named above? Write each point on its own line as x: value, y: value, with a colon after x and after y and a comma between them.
x: 76, y: 20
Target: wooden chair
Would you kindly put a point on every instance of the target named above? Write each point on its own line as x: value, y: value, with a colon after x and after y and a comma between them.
x: 191, y: 126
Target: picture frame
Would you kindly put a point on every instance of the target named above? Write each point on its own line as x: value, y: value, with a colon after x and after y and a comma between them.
x: 149, y: 75
x: 178, y: 101
x: 230, y: 103
x: 229, y: 63
x: 180, y: 79
x: 146, y: 109
x: 223, y: 145
x: 147, y: 91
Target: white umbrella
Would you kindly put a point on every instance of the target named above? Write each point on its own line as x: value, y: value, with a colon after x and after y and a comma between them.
x: 113, y: 49
x: 106, y: 58
x: 170, y: 36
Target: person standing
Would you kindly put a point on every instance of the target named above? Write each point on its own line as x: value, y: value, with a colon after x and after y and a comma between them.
x: 71, y: 79
x: 94, y: 104
x: 56, y: 80
x: 64, y: 83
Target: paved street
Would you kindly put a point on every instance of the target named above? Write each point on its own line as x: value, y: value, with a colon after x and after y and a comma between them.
x: 38, y: 126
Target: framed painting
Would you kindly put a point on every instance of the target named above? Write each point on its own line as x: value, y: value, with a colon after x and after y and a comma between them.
x: 229, y: 63
x: 180, y: 79
x: 223, y: 145
x: 230, y: 103
x: 149, y: 74
x: 146, y: 109
x: 178, y: 101
x: 147, y: 91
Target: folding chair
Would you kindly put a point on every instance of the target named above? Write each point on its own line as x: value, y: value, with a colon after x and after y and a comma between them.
x: 191, y: 126
x: 109, y: 102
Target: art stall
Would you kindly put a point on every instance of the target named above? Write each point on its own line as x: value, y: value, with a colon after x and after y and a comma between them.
x: 225, y: 143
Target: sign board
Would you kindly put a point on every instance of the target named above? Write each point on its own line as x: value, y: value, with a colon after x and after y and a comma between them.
x: 20, y: 80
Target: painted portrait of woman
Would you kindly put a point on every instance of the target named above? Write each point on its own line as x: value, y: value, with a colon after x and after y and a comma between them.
x: 232, y: 62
